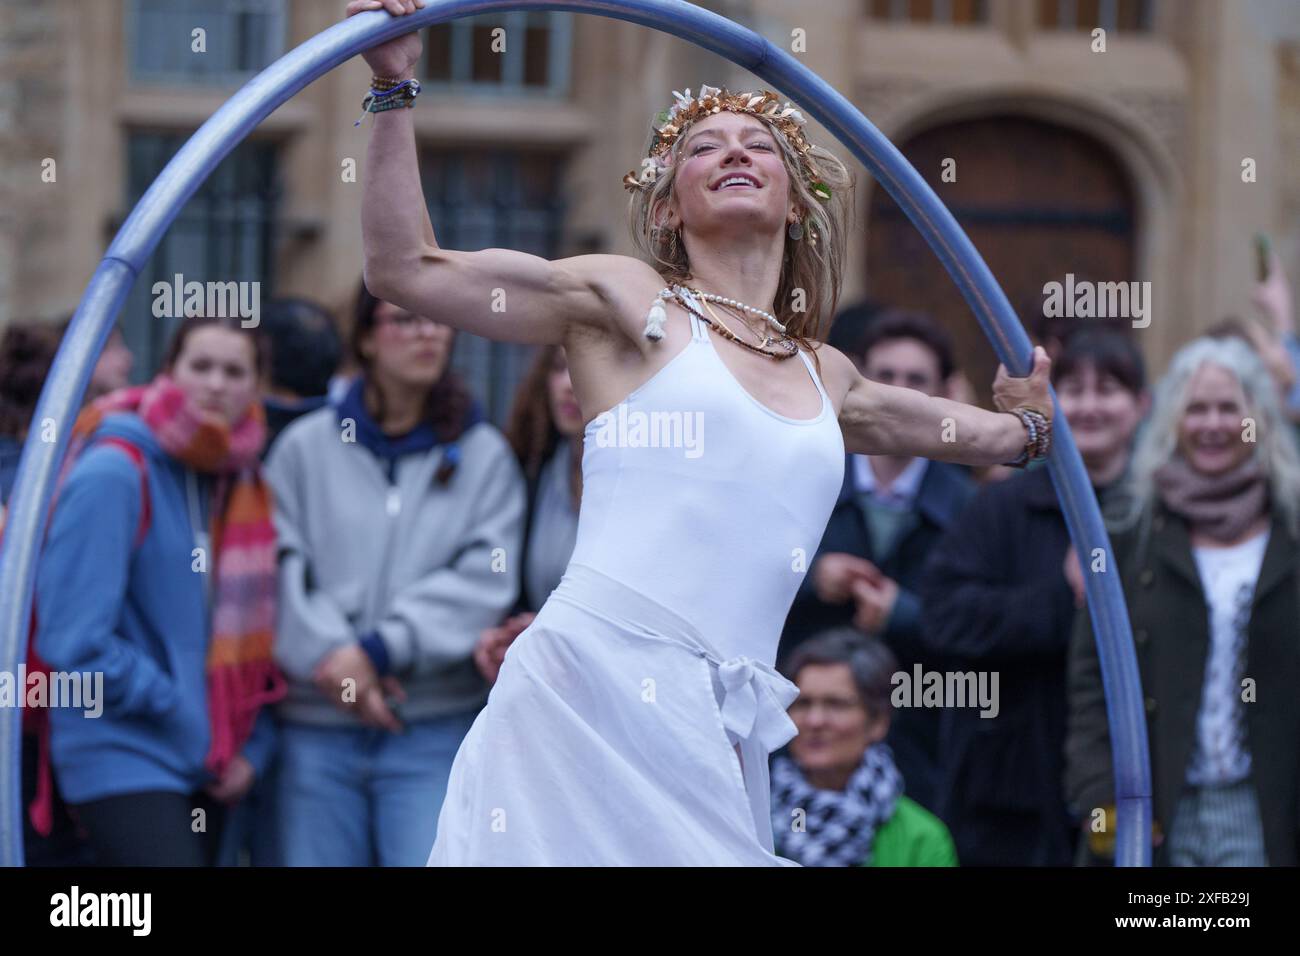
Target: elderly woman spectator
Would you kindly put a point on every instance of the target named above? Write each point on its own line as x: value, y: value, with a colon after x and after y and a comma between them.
x: 1206, y: 546
x: 837, y: 797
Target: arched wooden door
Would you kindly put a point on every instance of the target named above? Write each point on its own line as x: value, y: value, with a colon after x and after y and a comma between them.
x: 1038, y: 200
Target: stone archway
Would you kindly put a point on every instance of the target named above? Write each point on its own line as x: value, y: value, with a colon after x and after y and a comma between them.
x: 1038, y: 199
x: 1143, y: 138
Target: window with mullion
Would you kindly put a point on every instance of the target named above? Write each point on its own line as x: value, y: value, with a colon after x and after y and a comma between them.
x: 241, y: 38
x: 224, y: 233
x: 1124, y: 16
x: 459, y: 55
x: 942, y: 12
x: 494, y: 199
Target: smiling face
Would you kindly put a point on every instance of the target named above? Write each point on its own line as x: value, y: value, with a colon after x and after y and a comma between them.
x: 1210, y: 431
x: 835, y: 729
x: 1102, y: 413
x: 731, y: 174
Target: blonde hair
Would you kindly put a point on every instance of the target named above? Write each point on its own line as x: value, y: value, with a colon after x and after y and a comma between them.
x: 816, y: 269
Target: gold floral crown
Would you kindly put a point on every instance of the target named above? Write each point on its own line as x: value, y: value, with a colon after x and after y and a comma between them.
x: 670, y: 124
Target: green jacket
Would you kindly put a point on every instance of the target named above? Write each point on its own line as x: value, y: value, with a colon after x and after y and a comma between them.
x: 913, y: 837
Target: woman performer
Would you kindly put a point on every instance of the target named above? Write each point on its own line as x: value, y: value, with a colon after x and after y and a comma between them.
x: 632, y: 720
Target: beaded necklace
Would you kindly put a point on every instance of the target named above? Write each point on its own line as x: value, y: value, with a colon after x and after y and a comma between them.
x: 767, y: 338
x: 788, y: 348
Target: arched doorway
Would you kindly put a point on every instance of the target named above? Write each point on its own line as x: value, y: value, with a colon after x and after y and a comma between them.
x: 1039, y: 201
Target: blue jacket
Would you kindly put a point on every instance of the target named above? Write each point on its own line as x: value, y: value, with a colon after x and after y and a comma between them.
x: 136, y: 615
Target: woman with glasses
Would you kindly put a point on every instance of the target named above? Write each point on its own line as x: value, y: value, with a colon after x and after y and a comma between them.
x: 837, y: 795
x: 399, y: 512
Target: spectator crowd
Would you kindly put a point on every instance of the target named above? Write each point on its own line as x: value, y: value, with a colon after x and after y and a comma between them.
x: 298, y: 555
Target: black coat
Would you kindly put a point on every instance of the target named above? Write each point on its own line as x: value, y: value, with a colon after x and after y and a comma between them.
x: 996, y: 600
x: 943, y: 491
x: 1166, y: 607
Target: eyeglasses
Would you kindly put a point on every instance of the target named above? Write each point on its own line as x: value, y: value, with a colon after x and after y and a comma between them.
x: 835, y: 706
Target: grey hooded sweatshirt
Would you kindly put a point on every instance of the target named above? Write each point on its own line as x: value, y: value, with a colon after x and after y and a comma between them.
x: 426, y: 566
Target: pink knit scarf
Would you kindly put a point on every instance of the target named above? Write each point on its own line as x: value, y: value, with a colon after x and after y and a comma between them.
x: 242, y: 676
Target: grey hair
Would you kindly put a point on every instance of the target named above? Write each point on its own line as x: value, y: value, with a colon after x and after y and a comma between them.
x: 869, y: 659
x: 1275, y: 446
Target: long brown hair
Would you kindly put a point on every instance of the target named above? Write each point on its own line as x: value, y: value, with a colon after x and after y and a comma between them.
x: 448, y: 400
x: 531, y: 428
x: 816, y: 269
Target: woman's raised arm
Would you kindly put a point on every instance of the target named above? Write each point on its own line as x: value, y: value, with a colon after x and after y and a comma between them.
x: 497, y: 293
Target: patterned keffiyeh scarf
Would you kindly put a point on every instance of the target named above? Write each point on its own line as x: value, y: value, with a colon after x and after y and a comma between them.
x: 836, y: 828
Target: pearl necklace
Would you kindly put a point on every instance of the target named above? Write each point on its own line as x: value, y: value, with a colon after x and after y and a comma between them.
x: 723, y: 300
x: 654, y: 328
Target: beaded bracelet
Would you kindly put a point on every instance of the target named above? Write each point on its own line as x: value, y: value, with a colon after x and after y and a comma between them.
x: 408, y: 89
x: 1044, y: 432
x: 393, y: 103
x: 1038, y: 428
x: 379, y: 83
x: 401, y: 94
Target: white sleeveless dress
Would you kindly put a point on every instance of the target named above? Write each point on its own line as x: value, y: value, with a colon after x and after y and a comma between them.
x: 608, y: 738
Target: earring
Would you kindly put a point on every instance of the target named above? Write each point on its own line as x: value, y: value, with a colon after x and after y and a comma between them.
x: 795, y: 230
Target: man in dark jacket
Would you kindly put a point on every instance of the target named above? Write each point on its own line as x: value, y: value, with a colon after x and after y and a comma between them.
x: 996, y: 599
x: 890, y: 513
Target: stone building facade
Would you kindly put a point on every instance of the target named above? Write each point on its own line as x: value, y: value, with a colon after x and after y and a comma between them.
x: 1123, y: 164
